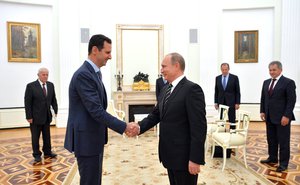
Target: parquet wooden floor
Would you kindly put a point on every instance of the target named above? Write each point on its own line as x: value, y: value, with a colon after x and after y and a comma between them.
x: 17, y: 165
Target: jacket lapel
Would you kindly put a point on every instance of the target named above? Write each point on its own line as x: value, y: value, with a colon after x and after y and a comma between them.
x: 220, y: 83
x: 278, y: 84
x: 100, y: 85
x: 39, y: 88
x: 172, y: 96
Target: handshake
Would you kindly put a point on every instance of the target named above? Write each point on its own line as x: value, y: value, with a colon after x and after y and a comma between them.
x: 132, y: 129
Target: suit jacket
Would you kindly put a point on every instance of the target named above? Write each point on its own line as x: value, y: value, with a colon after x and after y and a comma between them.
x: 231, y: 95
x: 37, y: 105
x: 159, y: 86
x: 183, y: 125
x: 281, y: 102
x: 88, y: 120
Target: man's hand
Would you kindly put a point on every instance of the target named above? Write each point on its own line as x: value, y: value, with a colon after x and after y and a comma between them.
x: 284, y: 121
x: 194, y: 168
x: 132, y: 129
x: 30, y: 121
x: 263, y: 116
x: 237, y: 106
x: 216, y: 106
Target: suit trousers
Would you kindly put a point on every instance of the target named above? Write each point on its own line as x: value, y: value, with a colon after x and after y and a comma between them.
x: 90, y: 169
x: 36, y: 131
x: 182, y: 177
x: 279, y: 136
x: 231, y: 114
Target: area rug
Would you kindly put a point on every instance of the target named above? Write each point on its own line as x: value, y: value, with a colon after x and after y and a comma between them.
x: 134, y: 161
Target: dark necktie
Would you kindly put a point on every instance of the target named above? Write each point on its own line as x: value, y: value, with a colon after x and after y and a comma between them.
x: 168, y: 93
x: 99, y: 75
x: 271, y: 87
x: 224, y: 82
x: 44, y: 90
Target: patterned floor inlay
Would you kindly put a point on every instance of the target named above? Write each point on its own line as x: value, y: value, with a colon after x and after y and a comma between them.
x: 135, y: 162
x: 257, y: 150
x: 17, y: 165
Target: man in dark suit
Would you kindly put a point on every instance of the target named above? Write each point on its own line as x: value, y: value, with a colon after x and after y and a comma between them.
x: 88, y: 120
x: 39, y: 96
x: 160, y: 83
x: 227, y: 91
x: 180, y: 110
x: 278, y: 98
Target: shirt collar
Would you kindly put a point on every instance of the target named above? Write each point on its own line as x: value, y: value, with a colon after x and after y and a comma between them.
x: 95, y: 67
x: 41, y: 83
x: 278, y: 77
x: 176, y: 81
x: 225, y: 75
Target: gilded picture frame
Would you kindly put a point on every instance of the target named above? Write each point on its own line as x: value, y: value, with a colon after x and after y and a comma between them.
x: 246, y: 46
x: 23, y: 42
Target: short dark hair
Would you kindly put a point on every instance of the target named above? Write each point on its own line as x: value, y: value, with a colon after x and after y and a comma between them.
x: 98, y: 41
x: 279, y: 65
x: 176, y: 57
x: 225, y: 64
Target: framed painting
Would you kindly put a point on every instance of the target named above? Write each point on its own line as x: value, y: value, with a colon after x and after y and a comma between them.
x: 246, y: 46
x: 23, y: 42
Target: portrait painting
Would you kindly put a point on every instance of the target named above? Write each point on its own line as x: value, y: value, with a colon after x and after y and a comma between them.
x: 23, y: 42
x: 246, y: 46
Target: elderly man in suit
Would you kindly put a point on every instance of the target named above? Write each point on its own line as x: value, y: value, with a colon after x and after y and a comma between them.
x: 39, y: 96
x: 181, y: 113
x: 88, y: 120
x: 278, y: 98
x: 227, y: 91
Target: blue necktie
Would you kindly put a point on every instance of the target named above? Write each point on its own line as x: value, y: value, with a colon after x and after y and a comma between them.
x: 224, y: 82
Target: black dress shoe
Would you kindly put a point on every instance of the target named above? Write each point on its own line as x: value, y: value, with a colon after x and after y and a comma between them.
x: 269, y: 161
x: 37, y: 159
x: 281, y: 168
x: 52, y: 155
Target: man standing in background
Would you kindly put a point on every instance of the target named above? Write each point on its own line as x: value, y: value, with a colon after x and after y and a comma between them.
x: 39, y: 96
x: 278, y: 98
x: 227, y: 91
x: 160, y: 83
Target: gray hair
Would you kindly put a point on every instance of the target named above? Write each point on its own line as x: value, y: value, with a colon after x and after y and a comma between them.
x: 279, y: 65
x: 42, y: 70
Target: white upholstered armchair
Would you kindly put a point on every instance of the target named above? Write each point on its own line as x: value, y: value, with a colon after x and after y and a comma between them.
x: 213, y: 123
x: 235, y: 138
